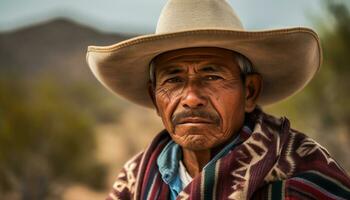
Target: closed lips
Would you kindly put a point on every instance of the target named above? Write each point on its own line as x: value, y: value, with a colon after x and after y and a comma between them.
x: 195, y: 120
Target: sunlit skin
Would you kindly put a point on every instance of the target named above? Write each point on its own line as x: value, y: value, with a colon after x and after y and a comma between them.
x: 202, y: 100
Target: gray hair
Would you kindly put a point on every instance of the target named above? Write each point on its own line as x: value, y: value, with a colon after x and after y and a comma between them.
x: 243, y: 62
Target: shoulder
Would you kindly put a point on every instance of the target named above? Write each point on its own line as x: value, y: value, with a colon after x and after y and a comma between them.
x: 310, y: 155
x: 124, y: 185
x: 128, y: 179
x: 293, y: 143
x: 297, y: 152
x: 306, y: 185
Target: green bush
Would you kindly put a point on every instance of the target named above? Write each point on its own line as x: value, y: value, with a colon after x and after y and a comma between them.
x: 46, y: 136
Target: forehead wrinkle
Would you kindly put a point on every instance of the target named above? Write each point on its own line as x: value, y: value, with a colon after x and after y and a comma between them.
x: 182, y: 66
x: 174, y: 68
x: 166, y: 58
x: 167, y: 65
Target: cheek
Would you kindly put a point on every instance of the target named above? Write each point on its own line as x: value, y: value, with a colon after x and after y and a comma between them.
x: 234, y: 115
x: 166, y: 101
x: 229, y: 102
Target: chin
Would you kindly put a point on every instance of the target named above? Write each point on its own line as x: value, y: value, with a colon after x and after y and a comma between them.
x: 195, y: 142
x: 196, y: 137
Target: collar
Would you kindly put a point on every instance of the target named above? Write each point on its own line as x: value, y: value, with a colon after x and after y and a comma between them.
x: 168, y: 165
x: 168, y: 161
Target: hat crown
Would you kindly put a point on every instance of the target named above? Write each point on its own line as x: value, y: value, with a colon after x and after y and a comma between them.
x: 181, y: 15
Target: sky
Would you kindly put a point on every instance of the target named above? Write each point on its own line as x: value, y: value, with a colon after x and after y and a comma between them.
x: 140, y: 16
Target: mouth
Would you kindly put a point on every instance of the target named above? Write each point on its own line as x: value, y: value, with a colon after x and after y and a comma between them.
x: 194, y: 121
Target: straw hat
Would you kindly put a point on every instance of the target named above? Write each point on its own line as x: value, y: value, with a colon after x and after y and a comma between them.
x: 286, y: 58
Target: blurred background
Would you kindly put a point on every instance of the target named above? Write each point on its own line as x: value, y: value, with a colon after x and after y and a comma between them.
x: 63, y: 136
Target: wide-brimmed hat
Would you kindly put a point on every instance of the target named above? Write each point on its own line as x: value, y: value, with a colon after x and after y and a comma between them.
x: 286, y: 58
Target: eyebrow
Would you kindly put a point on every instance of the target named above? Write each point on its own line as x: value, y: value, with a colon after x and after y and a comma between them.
x: 211, y: 68
x: 170, y: 70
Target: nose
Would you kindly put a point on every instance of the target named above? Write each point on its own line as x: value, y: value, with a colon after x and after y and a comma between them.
x: 193, y: 97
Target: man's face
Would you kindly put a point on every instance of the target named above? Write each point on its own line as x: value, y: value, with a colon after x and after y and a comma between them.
x: 200, y: 96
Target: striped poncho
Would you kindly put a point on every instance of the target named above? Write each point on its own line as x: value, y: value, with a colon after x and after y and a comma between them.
x: 273, y: 162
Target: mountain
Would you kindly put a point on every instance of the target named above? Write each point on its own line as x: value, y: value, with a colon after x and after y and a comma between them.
x: 57, y: 47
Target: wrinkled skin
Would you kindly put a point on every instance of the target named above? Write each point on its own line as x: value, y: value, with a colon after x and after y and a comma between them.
x: 202, y: 100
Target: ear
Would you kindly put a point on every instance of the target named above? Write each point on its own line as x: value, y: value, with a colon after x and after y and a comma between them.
x: 253, y: 86
x: 151, y: 93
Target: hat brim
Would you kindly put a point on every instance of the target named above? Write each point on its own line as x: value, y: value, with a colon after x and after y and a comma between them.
x: 287, y: 59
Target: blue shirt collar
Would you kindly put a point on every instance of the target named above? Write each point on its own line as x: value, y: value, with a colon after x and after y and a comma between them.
x: 168, y: 165
x: 168, y: 161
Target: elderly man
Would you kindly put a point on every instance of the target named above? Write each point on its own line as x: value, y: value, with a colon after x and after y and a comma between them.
x: 208, y: 78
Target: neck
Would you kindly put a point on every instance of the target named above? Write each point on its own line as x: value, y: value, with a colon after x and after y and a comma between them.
x: 195, y: 160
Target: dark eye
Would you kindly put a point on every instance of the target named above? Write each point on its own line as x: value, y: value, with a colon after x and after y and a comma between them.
x: 174, y: 80
x: 213, y: 77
